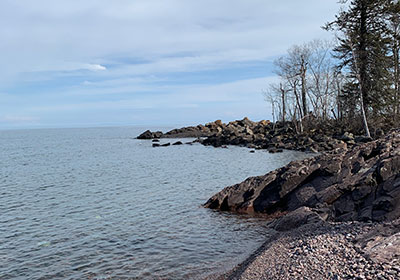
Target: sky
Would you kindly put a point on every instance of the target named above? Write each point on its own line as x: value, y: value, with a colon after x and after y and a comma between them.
x: 74, y: 63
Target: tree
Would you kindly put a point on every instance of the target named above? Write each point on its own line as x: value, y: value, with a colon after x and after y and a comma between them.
x: 307, y: 88
x: 393, y: 12
x: 363, y: 54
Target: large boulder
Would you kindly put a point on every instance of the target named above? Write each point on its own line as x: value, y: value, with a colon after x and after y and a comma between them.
x: 147, y: 135
x: 362, y: 183
x: 297, y: 218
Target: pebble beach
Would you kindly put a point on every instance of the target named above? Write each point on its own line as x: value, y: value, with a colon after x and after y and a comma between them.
x: 351, y: 250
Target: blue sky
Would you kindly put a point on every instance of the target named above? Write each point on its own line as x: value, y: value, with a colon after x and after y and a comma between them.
x: 74, y: 63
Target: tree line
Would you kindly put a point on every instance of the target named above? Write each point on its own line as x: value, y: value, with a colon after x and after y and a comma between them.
x: 353, y: 81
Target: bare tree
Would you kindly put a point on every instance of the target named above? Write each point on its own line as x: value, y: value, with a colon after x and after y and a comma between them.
x: 307, y: 82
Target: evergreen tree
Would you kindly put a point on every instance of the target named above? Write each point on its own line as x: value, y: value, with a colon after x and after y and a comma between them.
x: 363, y: 53
x: 393, y: 20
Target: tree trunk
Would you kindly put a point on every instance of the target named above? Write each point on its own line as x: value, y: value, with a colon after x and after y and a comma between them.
x: 364, y: 116
x: 339, y: 107
x: 359, y: 60
x: 361, y: 65
x: 396, y: 77
x: 283, y: 104
x: 303, y: 87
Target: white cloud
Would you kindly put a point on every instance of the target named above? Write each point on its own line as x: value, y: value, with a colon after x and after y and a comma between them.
x: 70, y: 30
x: 94, y: 67
x: 101, y: 55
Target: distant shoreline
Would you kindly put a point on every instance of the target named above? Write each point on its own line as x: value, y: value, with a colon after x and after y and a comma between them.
x: 273, y: 137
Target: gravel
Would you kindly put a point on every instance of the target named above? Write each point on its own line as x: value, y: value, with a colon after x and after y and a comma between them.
x: 325, y: 251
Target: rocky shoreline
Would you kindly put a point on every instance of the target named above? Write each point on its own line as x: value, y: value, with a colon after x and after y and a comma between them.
x: 264, y: 135
x: 347, y: 184
x: 334, y: 216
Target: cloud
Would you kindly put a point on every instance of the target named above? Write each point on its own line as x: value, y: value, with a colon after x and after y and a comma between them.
x: 177, y: 96
x: 63, y: 31
x: 94, y: 67
x: 163, y: 55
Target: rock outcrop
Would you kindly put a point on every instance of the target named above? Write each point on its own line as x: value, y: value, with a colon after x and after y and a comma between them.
x: 147, y: 135
x: 359, y: 183
x: 186, y: 132
x: 263, y: 135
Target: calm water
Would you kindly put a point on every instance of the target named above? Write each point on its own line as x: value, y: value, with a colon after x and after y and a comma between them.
x: 98, y: 204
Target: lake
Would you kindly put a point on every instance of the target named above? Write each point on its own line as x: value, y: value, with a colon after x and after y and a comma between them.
x: 95, y: 203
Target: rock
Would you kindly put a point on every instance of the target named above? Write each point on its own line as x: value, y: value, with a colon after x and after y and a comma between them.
x: 263, y: 135
x: 156, y: 145
x: 264, y: 123
x: 166, y: 145
x: 218, y: 122
x: 363, y: 139
x: 362, y: 183
x: 275, y: 150
x: 177, y: 143
x: 347, y: 137
x: 147, y: 135
x: 155, y: 140
x: 379, y: 132
x: 296, y: 219
x: 382, y: 243
x: 312, y: 150
x: 157, y: 134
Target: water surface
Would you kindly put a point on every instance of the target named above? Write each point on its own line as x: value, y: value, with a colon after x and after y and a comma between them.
x: 97, y: 204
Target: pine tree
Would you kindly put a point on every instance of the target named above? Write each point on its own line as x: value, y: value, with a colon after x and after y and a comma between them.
x: 363, y: 54
x: 393, y: 12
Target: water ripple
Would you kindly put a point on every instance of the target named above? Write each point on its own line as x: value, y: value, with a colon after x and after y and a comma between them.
x: 96, y: 204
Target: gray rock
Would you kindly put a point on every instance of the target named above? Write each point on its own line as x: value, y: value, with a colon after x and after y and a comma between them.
x: 296, y: 219
x: 362, y: 183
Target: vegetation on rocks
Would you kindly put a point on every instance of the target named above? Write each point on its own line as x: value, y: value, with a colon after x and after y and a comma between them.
x: 339, y: 211
x: 356, y: 85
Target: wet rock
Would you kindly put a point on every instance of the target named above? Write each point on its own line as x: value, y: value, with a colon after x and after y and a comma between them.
x: 177, y: 143
x: 275, y: 150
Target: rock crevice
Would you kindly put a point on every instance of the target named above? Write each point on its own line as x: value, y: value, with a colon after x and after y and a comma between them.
x: 359, y: 183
